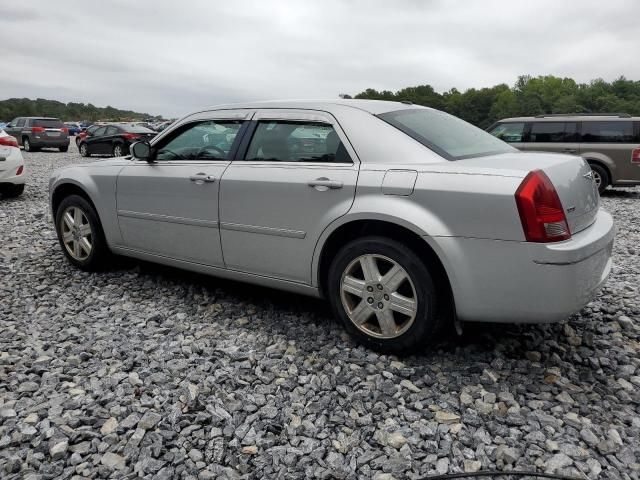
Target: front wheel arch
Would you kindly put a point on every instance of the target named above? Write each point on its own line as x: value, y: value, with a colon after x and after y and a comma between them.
x: 66, y: 189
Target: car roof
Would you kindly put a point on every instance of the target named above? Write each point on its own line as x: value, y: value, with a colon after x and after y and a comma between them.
x: 572, y: 118
x: 374, y: 107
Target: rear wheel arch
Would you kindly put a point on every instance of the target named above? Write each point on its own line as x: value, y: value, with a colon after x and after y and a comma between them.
x: 361, y: 228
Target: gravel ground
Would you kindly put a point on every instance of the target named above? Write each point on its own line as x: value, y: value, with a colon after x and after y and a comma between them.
x: 153, y: 372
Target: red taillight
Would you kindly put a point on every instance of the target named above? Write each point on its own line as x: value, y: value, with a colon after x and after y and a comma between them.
x: 20, y: 170
x: 130, y: 136
x: 37, y: 129
x: 541, y: 213
x: 65, y: 130
x: 8, y: 142
x: 635, y: 155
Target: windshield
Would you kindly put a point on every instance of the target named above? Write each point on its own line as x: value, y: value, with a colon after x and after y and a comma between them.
x: 445, y: 134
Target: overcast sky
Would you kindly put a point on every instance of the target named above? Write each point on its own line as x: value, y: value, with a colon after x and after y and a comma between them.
x: 170, y: 57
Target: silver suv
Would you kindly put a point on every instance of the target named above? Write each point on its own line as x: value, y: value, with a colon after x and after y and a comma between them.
x: 610, y: 142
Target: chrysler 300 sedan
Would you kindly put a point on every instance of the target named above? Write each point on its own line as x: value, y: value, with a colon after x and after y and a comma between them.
x: 402, y: 217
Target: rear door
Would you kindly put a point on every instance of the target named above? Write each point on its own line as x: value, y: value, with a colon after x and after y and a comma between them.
x: 612, y: 142
x: 169, y: 207
x: 557, y: 137
x: 297, y: 175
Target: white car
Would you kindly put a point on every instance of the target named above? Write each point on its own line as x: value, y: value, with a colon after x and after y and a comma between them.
x: 12, y: 172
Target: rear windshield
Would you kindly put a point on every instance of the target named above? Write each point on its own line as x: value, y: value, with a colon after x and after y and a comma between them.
x: 48, y: 123
x: 445, y: 134
x: 136, y: 129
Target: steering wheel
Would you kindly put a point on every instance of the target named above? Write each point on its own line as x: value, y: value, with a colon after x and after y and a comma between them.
x: 174, y: 155
x: 222, y: 153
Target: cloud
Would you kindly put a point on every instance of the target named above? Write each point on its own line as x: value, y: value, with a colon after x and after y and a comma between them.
x: 173, y: 57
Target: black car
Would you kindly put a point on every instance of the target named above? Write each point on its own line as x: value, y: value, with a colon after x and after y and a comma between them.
x: 113, y: 139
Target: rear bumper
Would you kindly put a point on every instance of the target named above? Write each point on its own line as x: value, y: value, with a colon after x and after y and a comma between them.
x: 9, y: 165
x: 522, y: 282
x: 44, y: 142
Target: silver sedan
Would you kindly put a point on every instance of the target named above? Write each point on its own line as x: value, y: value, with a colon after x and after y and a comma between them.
x: 402, y: 216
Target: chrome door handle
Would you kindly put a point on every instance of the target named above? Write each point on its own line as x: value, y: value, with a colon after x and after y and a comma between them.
x: 324, y: 184
x: 202, y: 177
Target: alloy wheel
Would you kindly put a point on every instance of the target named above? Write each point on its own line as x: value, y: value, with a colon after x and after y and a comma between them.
x: 378, y: 296
x: 76, y: 233
x: 597, y: 178
x: 117, y: 151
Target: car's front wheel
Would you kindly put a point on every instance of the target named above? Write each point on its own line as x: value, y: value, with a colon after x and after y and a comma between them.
x: 26, y: 143
x: 384, y: 294
x: 80, y: 234
x: 600, y: 176
x: 84, y: 150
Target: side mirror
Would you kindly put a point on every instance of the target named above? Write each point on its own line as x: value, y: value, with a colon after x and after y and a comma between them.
x: 8, y: 125
x: 142, y: 150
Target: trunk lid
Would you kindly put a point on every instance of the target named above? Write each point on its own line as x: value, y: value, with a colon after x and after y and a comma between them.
x: 570, y: 175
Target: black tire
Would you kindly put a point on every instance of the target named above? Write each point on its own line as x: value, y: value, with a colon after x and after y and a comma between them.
x: 427, y: 321
x: 98, y: 258
x: 12, y: 191
x: 122, y: 150
x: 602, y: 173
x: 64, y: 149
x: 26, y: 143
x: 84, y: 150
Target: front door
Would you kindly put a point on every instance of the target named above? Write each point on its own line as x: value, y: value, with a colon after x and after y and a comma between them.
x: 169, y: 207
x: 95, y: 141
x: 297, y: 174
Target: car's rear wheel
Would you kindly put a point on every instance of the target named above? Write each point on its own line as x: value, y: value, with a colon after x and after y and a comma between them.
x: 118, y: 150
x: 601, y: 177
x: 80, y: 234
x: 84, y: 150
x: 13, y: 190
x: 384, y: 294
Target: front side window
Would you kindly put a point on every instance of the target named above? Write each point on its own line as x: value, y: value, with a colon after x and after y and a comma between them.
x: 448, y: 136
x: 548, y: 132
x: 208, y: 140
x: 99, y: 132
x: 509, y: 132
x: 290, y: 141
x: 20, y: 122
x: 608, y: 132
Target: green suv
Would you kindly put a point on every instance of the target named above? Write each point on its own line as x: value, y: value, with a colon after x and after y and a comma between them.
x: 609, y: 142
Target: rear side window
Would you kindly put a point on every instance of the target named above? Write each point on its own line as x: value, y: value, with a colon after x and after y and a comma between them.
x: 136, y: 129
x: 608, y: 132
x: 448, y: 136
x: 111, y: 131
x: 509, y: 132
x: 285, y: 141
x: 47, y: 123
x: 549, y: 132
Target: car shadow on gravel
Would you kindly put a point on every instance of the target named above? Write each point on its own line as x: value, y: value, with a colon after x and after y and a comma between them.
x: 613, y: 193
x: 477, y: 339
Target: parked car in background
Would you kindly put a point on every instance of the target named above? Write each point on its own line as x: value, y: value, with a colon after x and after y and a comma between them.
x: 610, y: 143
x: 402, y: 216
x: 85, y: 132
x: 12, y: 173
x: 34, y: 133
x: 74, y: 128
x: 112, y: 139
x: 2, y: 125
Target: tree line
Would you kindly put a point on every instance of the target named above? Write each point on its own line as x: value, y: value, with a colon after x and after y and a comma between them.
x: 529, y: 96
x: 25, y: 107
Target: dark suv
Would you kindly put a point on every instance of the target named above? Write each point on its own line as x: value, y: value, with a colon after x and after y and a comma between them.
x: 34, y: 133
x: 609, y: 142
